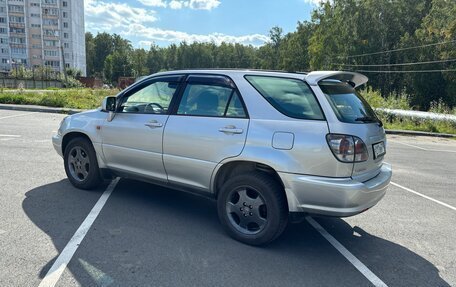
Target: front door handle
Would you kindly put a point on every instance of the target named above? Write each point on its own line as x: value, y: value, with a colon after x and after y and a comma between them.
x: 231, y: 130
x: 153, y: 124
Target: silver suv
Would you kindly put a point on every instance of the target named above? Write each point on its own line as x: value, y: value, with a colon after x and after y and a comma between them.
x: 268, y: 146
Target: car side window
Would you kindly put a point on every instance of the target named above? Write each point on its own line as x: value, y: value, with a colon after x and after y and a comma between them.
x: 154, y: 98
x: 200, y: 99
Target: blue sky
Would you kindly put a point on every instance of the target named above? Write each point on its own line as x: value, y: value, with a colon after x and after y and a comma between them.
x: 172, y: 21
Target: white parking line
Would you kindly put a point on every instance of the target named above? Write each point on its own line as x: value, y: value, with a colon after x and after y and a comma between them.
x: 347, y: 254
x: 424, y: 196
x: 10, y: 136
x: 14, y: 116
x: 56, y: 271
x: 422, y: 148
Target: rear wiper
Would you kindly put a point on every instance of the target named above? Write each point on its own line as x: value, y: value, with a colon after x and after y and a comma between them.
x: 366, y: 119
x: 370, y: 120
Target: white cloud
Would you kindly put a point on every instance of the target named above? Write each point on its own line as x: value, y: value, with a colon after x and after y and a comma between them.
x: 101, y: 16
x: 171, y: 36
x: 204, y: 4
x: 314, y: 2
x: 176, y: 4
x: 154, y: 3
x: 179, y: 4
x: 134, y: 23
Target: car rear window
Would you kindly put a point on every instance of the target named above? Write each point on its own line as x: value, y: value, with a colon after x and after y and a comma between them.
x: 349, y: 106
x: 292, y: 97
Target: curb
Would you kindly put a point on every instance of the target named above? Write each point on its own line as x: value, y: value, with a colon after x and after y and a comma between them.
x: 42, y: 109
x: 30, y: 108
x: 417, y: 133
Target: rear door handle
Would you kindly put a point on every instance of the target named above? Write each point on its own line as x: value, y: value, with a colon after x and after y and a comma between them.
x: 231, y: 130
x: 154, y: 124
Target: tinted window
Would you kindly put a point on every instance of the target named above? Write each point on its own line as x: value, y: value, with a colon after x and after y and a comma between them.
x: 154, y: 98
x: 210, y: 100
x: 348, y: 105
x: 291, y: 97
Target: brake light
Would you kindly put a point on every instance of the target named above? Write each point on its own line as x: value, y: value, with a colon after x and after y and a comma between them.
x: 347, y: 148
x: 360, y: 150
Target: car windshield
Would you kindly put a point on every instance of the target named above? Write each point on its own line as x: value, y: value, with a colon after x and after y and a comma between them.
x: 349, y: 106
x: 292, y: 97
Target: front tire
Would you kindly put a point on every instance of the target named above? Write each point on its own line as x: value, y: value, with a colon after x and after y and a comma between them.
x: 81, y: 165
x: 253, y: 208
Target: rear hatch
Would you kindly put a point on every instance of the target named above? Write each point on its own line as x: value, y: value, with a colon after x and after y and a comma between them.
x: 356, y: 118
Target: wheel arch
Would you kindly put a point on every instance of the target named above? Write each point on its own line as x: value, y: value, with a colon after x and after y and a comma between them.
x: 72, y: 135
x: 233, y: 168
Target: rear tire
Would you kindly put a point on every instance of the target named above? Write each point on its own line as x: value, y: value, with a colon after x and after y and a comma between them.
x: 253, y: 208
x: 81, y: 165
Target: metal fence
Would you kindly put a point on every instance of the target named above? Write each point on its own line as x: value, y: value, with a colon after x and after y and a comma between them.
x: 13, y: 83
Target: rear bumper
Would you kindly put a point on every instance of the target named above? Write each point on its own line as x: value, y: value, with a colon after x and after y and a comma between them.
x: 334, y: 196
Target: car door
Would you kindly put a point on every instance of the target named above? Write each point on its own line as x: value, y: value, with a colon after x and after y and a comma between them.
x: 209, y: 125
x: 132, y: 141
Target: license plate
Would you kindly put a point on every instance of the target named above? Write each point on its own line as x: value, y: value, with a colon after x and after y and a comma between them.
x: 379, y: 149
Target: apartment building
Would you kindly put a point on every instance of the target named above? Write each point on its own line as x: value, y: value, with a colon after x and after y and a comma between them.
x: 36, y: 33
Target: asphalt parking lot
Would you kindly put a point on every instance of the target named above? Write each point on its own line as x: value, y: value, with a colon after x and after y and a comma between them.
x: 151, y: 236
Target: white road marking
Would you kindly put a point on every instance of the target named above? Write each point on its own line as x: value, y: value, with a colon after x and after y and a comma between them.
x: 14, y: 116
x: 56, y: 271
x: 7, y: 139
x: 424, y: 196
x: 347, y: 254
x: 422, y: 148
x: 10, y: 136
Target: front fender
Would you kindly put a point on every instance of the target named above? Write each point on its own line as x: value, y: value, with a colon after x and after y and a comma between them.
x: 88, y: 124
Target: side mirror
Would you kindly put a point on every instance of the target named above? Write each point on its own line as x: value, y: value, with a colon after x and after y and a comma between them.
x: 109, y: 104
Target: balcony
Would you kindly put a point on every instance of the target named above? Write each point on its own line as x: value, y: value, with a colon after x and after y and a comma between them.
x: 17, y: 25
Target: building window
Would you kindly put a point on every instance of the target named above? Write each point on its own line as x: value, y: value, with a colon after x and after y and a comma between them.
x: 20, y: 51
x: 66, y: 45
x: 16, y: 40
x: 51, y: 53
x: 53, y: 33
x: 65, y: 14
x: 65, y: 4
x: 16, y: 8
x: 17, y: 19
x: 51, y: 11
x: 17, y: 30
x: 51, y: 43
x: 65, y: 24
x: 53, y: 64
x: 50, y: 22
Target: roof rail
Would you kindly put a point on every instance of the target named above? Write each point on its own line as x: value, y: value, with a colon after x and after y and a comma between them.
x: 242, y: 69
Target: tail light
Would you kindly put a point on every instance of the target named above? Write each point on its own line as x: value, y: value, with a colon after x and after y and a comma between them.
x: 347, y: 148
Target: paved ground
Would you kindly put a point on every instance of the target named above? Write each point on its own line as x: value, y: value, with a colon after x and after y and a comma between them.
x: 151, y: 236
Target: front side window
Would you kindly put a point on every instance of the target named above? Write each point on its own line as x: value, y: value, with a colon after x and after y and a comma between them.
x: 291, y: 97
x: 201, y: 99
x: 154, y: 98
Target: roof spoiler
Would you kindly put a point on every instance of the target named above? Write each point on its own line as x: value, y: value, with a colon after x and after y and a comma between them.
x: 354, y: 79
